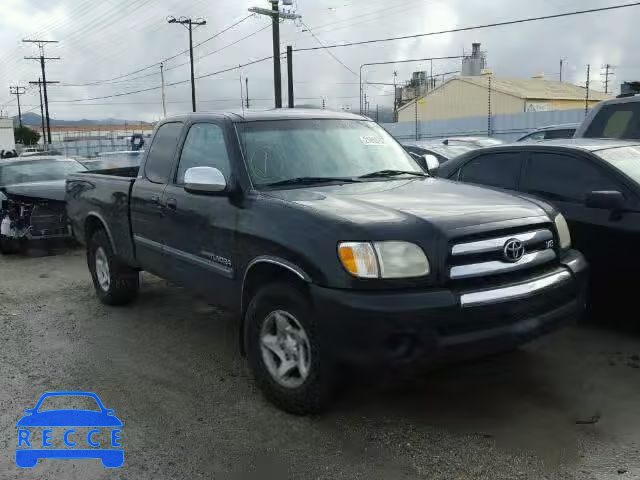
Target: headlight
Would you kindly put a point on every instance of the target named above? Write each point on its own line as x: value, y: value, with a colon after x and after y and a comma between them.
x: 383, y: 259
x: 563, y: 232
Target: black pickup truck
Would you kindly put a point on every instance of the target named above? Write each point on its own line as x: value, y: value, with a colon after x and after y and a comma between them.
x: 331, y: 245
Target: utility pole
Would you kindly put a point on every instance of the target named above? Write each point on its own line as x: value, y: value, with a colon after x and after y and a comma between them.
x: 276, y: 15
x: 561, y: 65
x: 41, y: 110
x: 17, y: 91
x: 377, y: 112
x: 246, y: 81
x: 395, y: 96
x: 42, y: 59
x: 164, y: 106
x: 188, y: 23
x: 586, y: 100
x: 489, y: 113
x: 608, y: 72
x: 290, y: 75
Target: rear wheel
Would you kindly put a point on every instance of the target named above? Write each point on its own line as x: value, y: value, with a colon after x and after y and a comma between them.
x: 284, y: 351
x: 115, y: 283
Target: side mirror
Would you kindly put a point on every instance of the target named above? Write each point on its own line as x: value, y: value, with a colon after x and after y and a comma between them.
x: 204, y: 180
x: 431, y: 162
x: 606, y: 200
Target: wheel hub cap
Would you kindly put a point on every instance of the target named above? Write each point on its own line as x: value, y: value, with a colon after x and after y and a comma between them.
x: 285, y: 349
x: 102, y: 269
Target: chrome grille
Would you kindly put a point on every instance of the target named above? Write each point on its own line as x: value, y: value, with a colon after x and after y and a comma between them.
x: 486, y: 257
x: 47, y: 220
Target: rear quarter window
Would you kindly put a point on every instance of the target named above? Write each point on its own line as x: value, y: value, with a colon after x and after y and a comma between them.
x: 616, y: 121
x: 159, y: 162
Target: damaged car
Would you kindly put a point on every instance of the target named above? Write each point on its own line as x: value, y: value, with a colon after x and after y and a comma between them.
x: 32, y: 203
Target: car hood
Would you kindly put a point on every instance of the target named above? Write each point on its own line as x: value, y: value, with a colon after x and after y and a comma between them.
x: 69, y: 418
x: 48, y: 190
x: 445, y: 204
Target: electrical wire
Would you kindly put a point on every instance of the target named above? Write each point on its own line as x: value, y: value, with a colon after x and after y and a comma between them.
x: 475, y: 27
x: 97, y: 82
x: 329, y: 52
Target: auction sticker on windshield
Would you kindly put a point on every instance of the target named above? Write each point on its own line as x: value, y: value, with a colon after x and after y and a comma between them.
x: 371, y: 140
x: 83, y: 428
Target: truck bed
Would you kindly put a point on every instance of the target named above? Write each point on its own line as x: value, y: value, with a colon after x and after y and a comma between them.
x: 105, y: 196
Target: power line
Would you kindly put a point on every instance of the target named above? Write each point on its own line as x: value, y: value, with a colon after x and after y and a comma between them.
x: 221, y: 48
x: 475, y: 27
x: 122, y: 94
x: 327, y: 50
x: 164, y: 60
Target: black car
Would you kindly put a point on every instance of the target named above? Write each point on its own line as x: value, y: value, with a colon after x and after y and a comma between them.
x: 32, y: 204
x: 328, y: 243
x: 594, y: 183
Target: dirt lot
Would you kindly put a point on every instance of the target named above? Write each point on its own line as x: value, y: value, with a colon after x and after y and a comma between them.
x: 564, y: 407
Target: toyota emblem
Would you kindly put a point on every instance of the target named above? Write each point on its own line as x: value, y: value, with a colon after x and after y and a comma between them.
x: 513, y: 250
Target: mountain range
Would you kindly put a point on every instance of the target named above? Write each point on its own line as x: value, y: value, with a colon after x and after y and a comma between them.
x: 34, y: 120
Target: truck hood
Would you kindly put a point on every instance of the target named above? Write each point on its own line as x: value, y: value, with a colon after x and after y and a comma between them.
x: 447, y: 205
x: 48, y: 190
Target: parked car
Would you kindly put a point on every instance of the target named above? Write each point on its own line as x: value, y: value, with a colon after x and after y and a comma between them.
x: 477, y: 142
x: 119, y: 159
x: 551, y: 132
x: 594, y: 183
x: 32, y: 205
x: 618, y: 118
x: 439, y: 150
x: 329, y: 243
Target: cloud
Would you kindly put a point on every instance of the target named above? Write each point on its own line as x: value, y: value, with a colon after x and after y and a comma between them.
x: 103, y: 40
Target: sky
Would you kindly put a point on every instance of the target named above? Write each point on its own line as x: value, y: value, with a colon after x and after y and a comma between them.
x: 101, y: 42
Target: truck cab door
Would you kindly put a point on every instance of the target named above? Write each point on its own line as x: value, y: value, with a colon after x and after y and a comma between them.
x: 200, y: 227
x: 146, y: 198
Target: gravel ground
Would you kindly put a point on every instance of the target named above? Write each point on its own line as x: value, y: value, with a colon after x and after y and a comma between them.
x: 564, y: 407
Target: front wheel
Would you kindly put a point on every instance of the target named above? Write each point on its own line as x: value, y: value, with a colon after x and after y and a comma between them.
x: 284, y: 351
x: 115, y: 283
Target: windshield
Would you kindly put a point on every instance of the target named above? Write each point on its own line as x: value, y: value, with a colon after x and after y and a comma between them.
x: 625, y: 159
x: 37, y: 171
x: 276, y: 151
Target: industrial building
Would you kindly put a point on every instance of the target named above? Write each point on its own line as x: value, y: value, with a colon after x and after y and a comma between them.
x: 478, y: 92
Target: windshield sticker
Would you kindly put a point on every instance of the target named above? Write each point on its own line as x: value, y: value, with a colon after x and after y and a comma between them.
x: 372, y: 140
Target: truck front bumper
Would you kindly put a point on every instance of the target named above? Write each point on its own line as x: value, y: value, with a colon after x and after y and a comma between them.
x: 394, y: 327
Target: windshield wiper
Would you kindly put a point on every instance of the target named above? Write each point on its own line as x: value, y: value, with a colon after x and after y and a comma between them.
x: 392, y: 173
x: 310, y: 181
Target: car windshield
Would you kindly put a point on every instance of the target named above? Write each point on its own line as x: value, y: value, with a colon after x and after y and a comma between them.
x: 37, y: 171
x: 69, y: 402
x: 625, y: 159
x: 276, y: 151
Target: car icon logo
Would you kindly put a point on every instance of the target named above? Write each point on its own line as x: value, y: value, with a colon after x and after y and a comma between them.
x: 104, y: 430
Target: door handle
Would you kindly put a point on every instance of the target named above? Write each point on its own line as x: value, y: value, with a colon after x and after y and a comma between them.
x: 155, y: 199
x: 172, y: 204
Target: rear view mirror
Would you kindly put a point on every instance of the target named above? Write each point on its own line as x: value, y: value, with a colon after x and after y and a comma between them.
x: 606, y: 200
x: 204, y: 180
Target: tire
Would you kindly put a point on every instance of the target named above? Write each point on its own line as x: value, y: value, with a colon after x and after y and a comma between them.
x: 302, y: 397
x: 9, y: 246
x: 119, y: 283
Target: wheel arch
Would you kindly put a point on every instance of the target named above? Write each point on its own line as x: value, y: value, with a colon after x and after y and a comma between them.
x: 262, y: 269
x: 94, y: 222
